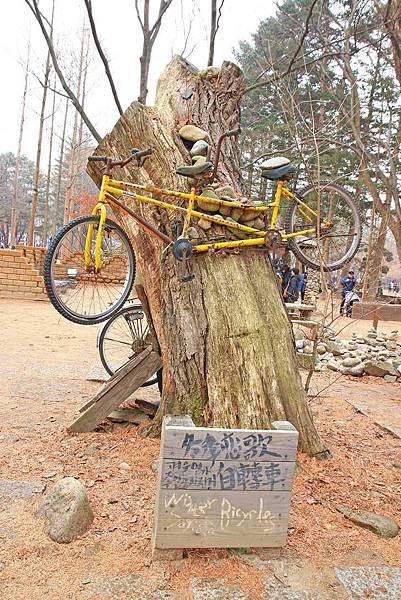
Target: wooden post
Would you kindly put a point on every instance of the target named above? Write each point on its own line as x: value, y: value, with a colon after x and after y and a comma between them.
x: 128, y: 379
x: 375, y: 318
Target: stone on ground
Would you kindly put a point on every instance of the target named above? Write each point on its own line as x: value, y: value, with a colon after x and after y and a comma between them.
x: 14, y: 489
x: 384, y: 526
x: 377, y: 583
x: 213, y: 589
x: 66, y: 511
x: 379, y: 369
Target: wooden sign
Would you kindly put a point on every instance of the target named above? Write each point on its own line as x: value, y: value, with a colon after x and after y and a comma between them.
x: 221, y: 488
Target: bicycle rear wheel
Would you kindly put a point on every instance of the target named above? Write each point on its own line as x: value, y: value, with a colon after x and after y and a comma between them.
x: 122, y: 338
x: 80, y: 294
x: 336, y: 245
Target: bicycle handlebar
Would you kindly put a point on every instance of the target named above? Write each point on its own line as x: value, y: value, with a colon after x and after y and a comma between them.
x: 121, y: 162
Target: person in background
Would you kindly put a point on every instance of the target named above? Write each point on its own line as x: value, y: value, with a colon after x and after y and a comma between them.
x: 291, y: 292
x: 285, y: 277
x: 347, y: 283
x: 302, y: 284
x: 350, y: 298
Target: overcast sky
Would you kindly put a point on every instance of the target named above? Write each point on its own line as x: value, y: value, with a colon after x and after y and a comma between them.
x: 119, y: 32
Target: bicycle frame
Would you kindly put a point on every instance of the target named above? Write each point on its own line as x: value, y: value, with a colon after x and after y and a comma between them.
x: 111, y: 188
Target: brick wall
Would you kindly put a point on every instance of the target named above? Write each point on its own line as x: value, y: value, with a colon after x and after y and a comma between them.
x: 18, y: 276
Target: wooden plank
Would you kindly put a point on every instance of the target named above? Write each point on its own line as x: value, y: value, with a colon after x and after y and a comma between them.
x: 228, y: 519
x: 204, y: 443
x: 184, y: 474
x: 120, y: 374
x: 128, y: 415
x: 115, y: 394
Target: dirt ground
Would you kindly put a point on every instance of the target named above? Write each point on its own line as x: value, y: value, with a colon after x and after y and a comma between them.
x: 44, y: 361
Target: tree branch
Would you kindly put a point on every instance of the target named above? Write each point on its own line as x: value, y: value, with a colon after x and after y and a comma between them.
x: 154, y: 30
x: 102, y: 55
x: 35, y: 10
x: 294, y: 56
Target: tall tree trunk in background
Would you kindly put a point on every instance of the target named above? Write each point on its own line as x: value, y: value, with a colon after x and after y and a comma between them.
x: 71, y: 174
x: 375, y: 259
x: 49, y: 170
x: 214, y: 26
x: 149, y: 37
x: 60, y: 172
x: 225, y: 338
x: 39, y: 148
x: 213, y: 22
x: 14, y: 198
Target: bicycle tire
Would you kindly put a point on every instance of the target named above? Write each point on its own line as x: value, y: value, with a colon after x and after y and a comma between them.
x: 135, y: 309
x: 50, y: 283
x: 293, y: 244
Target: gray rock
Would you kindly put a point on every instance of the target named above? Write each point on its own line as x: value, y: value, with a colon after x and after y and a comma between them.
x: 333, y: 366
x: 334, y: 348
x: 355, y: 371
x: 225, y: 191
x: 391, y: 345
x: 351, y: 362
x: 192, y: 133
x: 203, y: 224
x: 66, y: 511
x: 199, y: 148
x: 124, y: 466
x: 198, y: 159
x: 397, y: 465
x: 299, y: 344
x: 379, y: 369
x: 390, y: 378
x: 384, y: 526
x: 399, y: 370
x: 321, y: 349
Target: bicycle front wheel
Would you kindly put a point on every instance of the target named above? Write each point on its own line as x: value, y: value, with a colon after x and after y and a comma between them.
x: 122, y: 338
x: 336, y: 245
x: 79, y: 293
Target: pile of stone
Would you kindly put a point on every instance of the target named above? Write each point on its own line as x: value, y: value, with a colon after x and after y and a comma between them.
x: 195, y: 140
x: 375, y: 354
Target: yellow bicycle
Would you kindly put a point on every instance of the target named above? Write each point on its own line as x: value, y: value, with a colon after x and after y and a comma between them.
x: 90, y: 267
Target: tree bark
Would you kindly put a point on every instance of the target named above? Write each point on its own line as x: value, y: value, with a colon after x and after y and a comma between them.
x: 225, y: 338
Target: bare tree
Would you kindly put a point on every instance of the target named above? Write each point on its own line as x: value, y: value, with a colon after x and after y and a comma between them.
x: 88, y: 4
x: 60, y: 171
x: 149, y: 37
x: 14, y: 198
x: 39, y: 147
x: 214, y: 26
x: 40, y: 19
x: 49, y: 169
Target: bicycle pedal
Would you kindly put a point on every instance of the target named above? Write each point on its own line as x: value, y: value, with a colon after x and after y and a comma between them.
x: 186, y: 278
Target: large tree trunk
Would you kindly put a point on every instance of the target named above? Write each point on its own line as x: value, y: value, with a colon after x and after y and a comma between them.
x: 226, y: 341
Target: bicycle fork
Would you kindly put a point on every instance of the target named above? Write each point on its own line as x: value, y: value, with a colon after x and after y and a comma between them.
x: 100, y: 207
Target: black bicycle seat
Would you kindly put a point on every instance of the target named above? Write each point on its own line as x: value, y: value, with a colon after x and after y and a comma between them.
x: 194, y: 170
x: 283, y: 172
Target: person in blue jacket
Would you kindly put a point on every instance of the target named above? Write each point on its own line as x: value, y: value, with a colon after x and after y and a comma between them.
x: 302, y: 285
x: 347, y: 283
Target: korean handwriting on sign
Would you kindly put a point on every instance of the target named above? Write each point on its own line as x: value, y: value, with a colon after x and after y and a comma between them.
x: 228, y: 446
x: 203, y: 475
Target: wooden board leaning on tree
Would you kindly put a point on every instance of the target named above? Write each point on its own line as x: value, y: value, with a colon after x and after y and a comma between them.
x: 223, y: 488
